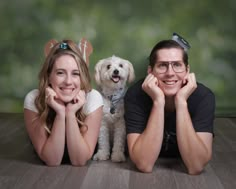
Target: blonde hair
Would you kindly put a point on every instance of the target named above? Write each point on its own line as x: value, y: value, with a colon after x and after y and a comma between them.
x: 46, y: 113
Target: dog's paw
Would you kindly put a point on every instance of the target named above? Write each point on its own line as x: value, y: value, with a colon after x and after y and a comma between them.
x: 118, y: 157
x: 101, y: 155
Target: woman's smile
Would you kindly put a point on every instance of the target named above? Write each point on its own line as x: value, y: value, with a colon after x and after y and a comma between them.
x: 65, y: 78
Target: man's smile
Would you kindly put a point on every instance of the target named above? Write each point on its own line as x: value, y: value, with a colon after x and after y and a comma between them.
x: 170, y: 82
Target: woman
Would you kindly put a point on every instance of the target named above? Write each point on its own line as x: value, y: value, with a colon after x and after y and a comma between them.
x: 63, y: 116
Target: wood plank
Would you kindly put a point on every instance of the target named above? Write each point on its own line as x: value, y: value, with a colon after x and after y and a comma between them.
x: 6, y: 182
x: 105, y: 174
x: 75, y: 177
x: 207, y: 179
x: 225, y: 135
x: 233, y: 119
x: 226, y: 172
x: 46, y: 177
x: 20, y: 166
x: 161, y: 177
x: 29, y: 179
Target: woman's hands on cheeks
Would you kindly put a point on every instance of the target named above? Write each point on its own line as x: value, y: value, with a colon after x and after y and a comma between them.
x: 189, y: 85
x: 150, y: 86
x: 59, y: 106
x: 77, y: 103
x: 53, y: 101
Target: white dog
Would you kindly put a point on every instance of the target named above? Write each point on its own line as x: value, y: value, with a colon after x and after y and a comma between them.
x: 111, y: 75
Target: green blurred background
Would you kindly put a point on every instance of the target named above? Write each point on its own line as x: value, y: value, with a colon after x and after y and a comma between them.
x: 126, y: 28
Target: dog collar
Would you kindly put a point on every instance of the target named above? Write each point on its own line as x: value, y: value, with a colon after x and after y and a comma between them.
x: 115, y: 98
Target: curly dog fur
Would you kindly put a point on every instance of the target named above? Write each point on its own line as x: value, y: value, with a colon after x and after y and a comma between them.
x: 112, y: 75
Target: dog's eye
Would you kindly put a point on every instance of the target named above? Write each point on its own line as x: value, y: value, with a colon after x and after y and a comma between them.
x: 121, y: 65
x: 108, y: 66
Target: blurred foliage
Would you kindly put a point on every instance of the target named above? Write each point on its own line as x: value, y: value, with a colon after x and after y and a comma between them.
x: 128, y: 29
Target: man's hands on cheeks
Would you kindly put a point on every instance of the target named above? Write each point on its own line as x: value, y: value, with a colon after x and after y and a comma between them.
x: 150, y: 86
x: 189, y: 85
x: 78, y: 101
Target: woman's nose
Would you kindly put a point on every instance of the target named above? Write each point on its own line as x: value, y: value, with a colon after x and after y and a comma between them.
x: 68, y: 79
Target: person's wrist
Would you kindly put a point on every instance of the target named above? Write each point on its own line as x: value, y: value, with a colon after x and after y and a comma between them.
x: 180, y: 102
x: 159, y: 102
x: 70, y: 113
x: 61, y: 113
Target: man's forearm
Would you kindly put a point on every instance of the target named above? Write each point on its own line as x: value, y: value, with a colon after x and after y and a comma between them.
x: 146, y: 148
x: 192, y: 149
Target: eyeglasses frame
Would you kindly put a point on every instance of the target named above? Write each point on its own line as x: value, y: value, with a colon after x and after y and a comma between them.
x: 170, y: 63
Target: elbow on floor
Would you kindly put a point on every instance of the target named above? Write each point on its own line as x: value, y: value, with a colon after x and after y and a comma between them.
x: 195, y: 171
x: 78, y: 163
x: 145, y: 168
x: 53, y: 163
x: 198, y: 168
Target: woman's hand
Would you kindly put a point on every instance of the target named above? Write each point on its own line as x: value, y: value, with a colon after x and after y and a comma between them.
x: 52, y: 100
x: 77, y: 103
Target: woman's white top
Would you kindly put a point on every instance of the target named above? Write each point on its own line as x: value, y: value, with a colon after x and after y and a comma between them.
x: 94, y: 100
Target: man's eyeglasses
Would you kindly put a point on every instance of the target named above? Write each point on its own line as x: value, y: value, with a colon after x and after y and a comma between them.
x: 177, y: 66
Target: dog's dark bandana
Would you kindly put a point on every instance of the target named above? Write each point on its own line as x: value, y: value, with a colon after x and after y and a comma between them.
x: 115, y: 98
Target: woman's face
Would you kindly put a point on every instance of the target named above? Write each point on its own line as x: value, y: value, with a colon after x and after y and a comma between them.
x: 170, y: 82
x: 65, y: 78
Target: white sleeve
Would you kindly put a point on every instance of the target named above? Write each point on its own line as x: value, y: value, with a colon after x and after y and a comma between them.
x: 94, y: 100
x: 29, y: 100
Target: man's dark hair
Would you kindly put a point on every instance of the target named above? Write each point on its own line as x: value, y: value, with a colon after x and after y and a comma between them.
x: 166, y: 44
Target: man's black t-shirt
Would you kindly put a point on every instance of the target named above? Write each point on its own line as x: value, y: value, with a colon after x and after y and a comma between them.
x: 201, y: 106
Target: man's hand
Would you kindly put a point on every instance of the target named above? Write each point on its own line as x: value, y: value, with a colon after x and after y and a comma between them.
x: 150, y: 86
x: 189, y: 85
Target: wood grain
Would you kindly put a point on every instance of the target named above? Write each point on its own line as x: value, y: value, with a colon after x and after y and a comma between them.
x: 20, y: 168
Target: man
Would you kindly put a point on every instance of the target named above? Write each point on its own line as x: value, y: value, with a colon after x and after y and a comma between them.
x: 168, y: 113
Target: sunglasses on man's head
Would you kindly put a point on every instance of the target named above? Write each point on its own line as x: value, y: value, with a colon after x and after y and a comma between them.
x: 181, y: 41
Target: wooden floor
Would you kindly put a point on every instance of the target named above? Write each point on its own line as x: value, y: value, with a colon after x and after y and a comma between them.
x: 20, y: 167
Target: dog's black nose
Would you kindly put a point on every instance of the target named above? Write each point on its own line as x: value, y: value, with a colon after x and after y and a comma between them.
x: 116, y: 72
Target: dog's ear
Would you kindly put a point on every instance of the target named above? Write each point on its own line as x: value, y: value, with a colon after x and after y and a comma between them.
x: 131, y: 75
x: 97, y: 73
x: 86, y: 49
x: 49, y: 45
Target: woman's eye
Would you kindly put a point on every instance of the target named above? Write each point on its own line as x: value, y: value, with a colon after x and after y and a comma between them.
x: 59, y: 73
x: 77, y: 73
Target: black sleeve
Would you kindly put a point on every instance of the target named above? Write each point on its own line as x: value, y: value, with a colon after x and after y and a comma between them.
x: 203, y: 118
x: 136, y: 112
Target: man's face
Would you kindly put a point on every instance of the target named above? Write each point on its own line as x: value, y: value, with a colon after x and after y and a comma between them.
x: 170, y: 70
